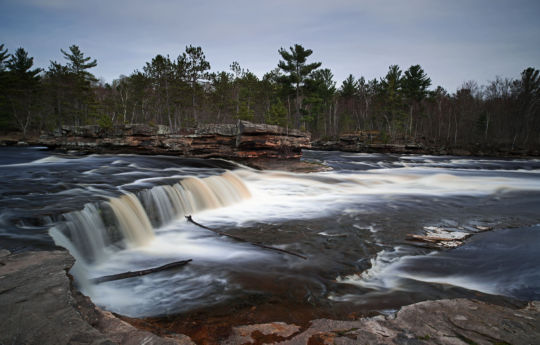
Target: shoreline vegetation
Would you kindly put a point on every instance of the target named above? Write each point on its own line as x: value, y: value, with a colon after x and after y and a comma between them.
x: 402, y: 107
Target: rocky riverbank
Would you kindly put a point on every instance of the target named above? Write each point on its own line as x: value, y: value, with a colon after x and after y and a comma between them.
x: 38, y: 305
x: 243, y: 140
x: 373, y: 142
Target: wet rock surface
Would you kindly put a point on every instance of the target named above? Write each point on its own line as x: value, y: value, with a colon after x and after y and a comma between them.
x: 38, y: 306
x: 452, y: 322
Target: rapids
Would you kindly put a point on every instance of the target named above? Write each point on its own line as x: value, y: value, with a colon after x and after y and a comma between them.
x: 118, y: 213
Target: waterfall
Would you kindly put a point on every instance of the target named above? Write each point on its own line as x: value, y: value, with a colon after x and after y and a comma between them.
x: 130, y: 219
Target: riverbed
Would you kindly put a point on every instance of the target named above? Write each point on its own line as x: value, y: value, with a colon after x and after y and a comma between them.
x: 118, y: 213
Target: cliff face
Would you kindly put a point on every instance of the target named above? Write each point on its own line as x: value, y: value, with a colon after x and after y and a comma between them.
x: 240, y: 140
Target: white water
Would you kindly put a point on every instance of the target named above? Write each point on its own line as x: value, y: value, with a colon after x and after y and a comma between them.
x: 90, y: 239
x: 148, y: 228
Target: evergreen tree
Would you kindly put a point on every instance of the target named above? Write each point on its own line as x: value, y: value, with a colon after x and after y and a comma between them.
x: 277, y: 114
x: 349, y: 93
x: 73, y: 95
x: 4, y: 114
x: 3, y: 58
x: 221, y: 97
x: 348, y: 87
x: 528, y: 97
x: 161, y: 72
x: 78, y: 64
x: 294, y: 63
x: 415, y: 85
x: 320, y: 90
x: 391, y: 92
x: 22, y: 90
x: 195, y: 65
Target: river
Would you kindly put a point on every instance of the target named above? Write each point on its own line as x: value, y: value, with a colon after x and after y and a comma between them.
x: 118, y: 213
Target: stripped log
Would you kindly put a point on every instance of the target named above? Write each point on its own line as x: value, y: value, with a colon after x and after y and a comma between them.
x: 190, y: 219
x: 139, y: 273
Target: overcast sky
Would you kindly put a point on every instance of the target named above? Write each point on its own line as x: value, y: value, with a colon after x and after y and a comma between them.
x: 453, y: 40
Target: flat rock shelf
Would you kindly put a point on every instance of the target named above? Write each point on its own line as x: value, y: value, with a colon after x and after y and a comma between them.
x: 38, y: 305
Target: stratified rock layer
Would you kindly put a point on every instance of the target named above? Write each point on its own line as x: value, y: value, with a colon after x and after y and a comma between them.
x: 241, y: 140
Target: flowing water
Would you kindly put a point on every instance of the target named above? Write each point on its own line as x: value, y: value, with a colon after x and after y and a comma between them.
x: 119, y: 213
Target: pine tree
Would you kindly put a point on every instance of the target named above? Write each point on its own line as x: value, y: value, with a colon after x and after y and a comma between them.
x: 78, y: 64
x: 22, y: 89
x: 294, y: 63
x: 4, y: 113
x: 195, y: 66
x: 415, y: 84
x: 71, y: 87
x: 391, y: 92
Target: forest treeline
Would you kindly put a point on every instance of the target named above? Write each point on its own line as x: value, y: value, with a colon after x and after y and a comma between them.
x: 181, y: 92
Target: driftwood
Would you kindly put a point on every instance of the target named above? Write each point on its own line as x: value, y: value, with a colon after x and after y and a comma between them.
x: 139, y: 273
x: 190, y: 219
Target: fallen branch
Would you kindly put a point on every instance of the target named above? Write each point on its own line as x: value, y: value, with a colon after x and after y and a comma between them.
x: 139, y: 273
x: 190, y: 219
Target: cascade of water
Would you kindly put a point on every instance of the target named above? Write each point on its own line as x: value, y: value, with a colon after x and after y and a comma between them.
x: 132, y: 217
x: 86, y: 229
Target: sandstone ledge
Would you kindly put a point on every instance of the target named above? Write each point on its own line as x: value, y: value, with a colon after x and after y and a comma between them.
x: 237, y: 141
x: 39, y: 306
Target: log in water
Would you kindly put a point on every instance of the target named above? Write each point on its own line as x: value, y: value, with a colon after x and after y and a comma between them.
x: 125, y: 213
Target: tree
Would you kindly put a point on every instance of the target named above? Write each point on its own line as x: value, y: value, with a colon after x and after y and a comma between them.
x: 294, y: 63
x: 277, y: 114
x: 161, y: 72
x: 70, y: 86
x: 415, y: 85
x: 23, y: 88
x: 4, y: 113
x: 221, y: 96
x: 528, y: 94
x: 194, y: 63
x: 3, y: 58
x: 349, y: 92
x: 78, y: 64
x: 390, y: 90
x: 320, y: 91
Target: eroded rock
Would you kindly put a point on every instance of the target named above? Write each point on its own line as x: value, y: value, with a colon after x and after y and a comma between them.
x: 38, y: 306
x: 241, y: 140
x: 444, y: 322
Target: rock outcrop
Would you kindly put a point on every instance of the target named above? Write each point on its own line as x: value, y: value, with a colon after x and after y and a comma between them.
x: 364, y: 141
x: 443, y: 322
x: 241, y: 140
x: 38, y: 306
x: 376, y: 142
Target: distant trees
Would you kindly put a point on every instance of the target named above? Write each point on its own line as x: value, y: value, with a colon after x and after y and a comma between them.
x: 181, y: 92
